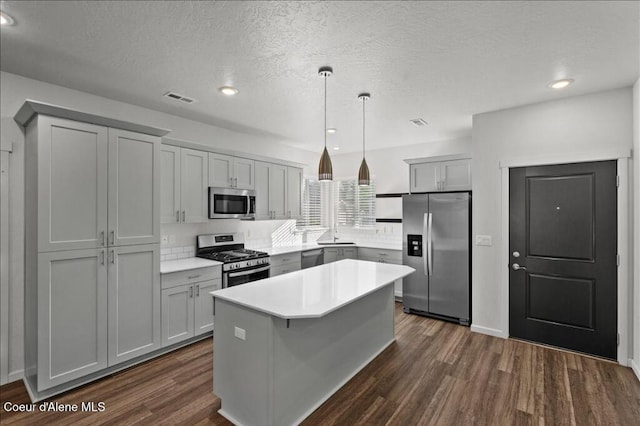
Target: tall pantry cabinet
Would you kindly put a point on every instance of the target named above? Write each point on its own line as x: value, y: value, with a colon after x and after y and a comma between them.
x: 92, y: 234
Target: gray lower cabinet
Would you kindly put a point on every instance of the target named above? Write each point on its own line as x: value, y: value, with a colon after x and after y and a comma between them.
x: 72, y: 315
x: 383, y: 256
x: 134, y: 301
x: 285, y: 263
x: 332, y: 254
x: 187, y: 309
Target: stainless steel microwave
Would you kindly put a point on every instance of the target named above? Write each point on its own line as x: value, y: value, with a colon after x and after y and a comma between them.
x: 231, y: 203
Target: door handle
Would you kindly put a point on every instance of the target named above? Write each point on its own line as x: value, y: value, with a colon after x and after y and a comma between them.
x: 177, y: 215
x: 113, y: 257
x: 198, y: 290
x: 425, y: 238
x: 113, y: 237
x: 184, y: 214
x: 191, y: 292
x: 102, y: 238
x: 430, y: 244
x: 517, y: 267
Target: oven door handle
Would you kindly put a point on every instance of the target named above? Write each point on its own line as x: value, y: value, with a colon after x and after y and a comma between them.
x: 249, y: 272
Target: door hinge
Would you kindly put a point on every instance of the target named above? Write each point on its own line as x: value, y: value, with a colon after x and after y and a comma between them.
x: 617, y: 181
x: 617, y: 260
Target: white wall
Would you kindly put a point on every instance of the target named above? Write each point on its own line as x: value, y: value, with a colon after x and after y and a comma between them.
x: 636, y: 227
x: 15, y: 89
x: 570, y: 126
x: 387, y: 167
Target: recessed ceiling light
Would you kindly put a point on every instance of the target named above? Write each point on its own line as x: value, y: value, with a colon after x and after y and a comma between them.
x: 561, y: 84
x: 228, y: 90
x: 331, y: 130
x: 336, y: 148
x: 5, y: 19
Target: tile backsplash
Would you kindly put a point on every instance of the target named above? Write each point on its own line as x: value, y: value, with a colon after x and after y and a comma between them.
x: 175, y: 253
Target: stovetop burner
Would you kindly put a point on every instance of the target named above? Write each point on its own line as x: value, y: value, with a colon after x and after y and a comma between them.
x: 226, y: 249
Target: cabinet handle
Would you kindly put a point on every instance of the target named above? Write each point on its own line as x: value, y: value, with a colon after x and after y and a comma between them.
x: 198, y: 290
x: 191, y: 292
x: 178, y: 216
x: 184, y: 215
x: 193, y: 276
x: 102, y: 238
x: 113, y: 257
x: 102, y: 257
x: 113, y: 237
x: 235, y: 182
x: 231, y: 182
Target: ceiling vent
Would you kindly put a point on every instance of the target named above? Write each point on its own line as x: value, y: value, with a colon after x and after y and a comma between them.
x: 419, y: 122
x: 178, y: 97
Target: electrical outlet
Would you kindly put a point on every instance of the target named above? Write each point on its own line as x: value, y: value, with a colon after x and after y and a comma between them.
x: 483, y: 240
x: 240, y: 333
x: 164, y: 239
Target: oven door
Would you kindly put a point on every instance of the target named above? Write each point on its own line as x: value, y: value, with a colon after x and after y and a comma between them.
x: 229, y: 203
x: 231, y: 278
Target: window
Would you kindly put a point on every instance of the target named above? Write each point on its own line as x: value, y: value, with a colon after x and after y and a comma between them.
x: 340, y: 202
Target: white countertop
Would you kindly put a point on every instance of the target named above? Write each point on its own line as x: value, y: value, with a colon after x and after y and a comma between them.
x: 169, y: 266
x: 274, y: 251
x: 314, y: 292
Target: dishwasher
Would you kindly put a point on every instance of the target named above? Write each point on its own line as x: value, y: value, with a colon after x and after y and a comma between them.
x: 312, y: 258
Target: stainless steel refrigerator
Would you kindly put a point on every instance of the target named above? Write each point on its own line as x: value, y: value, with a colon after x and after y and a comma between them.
x: 436, y: 243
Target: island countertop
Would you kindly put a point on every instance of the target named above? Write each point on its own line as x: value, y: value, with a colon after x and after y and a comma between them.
x: 314, y: 292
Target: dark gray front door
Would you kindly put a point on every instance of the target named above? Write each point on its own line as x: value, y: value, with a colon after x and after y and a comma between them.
x: 563, y: 230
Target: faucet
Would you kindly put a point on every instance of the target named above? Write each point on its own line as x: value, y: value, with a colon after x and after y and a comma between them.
x: 335, y: 231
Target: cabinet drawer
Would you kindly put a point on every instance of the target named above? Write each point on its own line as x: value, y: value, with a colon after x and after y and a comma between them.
x: 284, y: 269
x: 391, y: 256
x: 191, y: 276
x: 285, y: 259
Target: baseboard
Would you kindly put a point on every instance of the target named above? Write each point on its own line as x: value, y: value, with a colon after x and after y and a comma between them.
x: 635, y: 368
x: 490, y: 331
x: 15, y: 376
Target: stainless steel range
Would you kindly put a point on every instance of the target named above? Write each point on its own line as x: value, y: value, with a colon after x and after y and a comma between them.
x: 240, y: 265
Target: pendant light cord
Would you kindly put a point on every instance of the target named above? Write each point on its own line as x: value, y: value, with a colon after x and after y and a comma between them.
x: 325, y: 111
x: 363, y: 118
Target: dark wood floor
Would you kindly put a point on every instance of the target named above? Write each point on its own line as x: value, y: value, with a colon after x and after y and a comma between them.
x: 435, y: 373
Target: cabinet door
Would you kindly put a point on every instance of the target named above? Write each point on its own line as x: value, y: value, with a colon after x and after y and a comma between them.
x: 294, y: 192
x: 425, y: 177
x: 194, y: 186
x: 170, y: 184
x: 72, y: 315
x: 177, y: 314
x: 134, y: 193
x: 134, y: 301
x: 244, y: 173
x: 278, y: 191
x: 221, y: 170
x: 72, y: 184
x: 204, y: 305
x: 330, y: 255
x: 349, y: 253
x: 456, y: 175
x: 262, y: 190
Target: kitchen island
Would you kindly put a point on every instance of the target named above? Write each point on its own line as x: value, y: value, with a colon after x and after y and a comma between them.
x: 284, y: 345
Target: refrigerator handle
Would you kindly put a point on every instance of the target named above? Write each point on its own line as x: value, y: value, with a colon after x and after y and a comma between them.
x: 430, y: 244
x: 425, y: 238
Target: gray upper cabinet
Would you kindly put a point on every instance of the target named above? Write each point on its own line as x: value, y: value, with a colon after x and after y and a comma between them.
x: 134, y: 191
x: 170, y: 207
x: 294, y: 192
x: 227, y: 171
x: 71, y: 183
x: 72, y: 315
x: 194, y: 186
x: 454, y: 175
x: 134, y: 301
x: 273, y: 188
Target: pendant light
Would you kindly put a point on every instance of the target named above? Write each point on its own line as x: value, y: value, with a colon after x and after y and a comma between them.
x: 363, y: 173
x: 325, y: 170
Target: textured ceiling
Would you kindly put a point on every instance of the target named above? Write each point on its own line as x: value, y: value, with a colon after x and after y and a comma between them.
x: 441, y: 61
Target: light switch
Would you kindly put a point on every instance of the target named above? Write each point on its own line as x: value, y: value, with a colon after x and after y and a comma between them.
x: 240, y: 333
x: 483, y: 240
